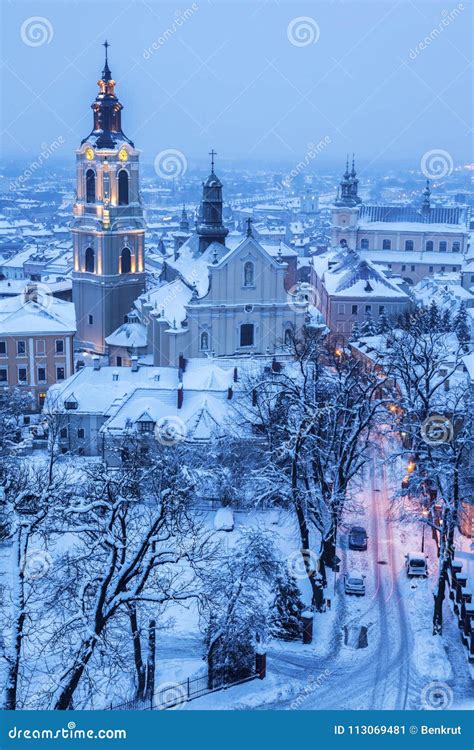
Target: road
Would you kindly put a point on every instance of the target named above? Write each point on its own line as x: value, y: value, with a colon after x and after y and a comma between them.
x: 384, y: 675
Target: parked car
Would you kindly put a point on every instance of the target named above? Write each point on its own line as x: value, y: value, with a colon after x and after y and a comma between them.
x: 354, y: 583
x: 358, y: 538
x: 416, y: 564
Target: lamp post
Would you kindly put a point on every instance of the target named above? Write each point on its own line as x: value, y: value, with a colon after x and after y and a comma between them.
x: 424, y: 513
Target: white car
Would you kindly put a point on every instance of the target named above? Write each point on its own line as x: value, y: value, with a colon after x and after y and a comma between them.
x: 416, y: 564
x: 354, y: 583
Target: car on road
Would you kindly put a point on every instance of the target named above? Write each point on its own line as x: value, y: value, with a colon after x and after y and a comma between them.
x: 358, y: 538
x: 416, y: 564
x: 354, y: 583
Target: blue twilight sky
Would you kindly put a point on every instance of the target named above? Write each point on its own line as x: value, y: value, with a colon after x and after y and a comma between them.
x: 251, y: 79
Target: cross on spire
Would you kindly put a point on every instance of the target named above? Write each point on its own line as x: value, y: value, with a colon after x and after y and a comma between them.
x: 106, y: 74
x: 249, y: 222
x: 212, y: 154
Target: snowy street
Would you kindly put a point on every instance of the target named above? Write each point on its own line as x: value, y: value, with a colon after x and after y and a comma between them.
x: 402, y: 658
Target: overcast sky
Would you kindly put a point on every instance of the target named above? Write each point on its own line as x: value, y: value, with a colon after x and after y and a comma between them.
x: 251, y: 79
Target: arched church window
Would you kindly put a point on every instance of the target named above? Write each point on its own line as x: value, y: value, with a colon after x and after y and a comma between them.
x: 125, y: 261
x: 90, y: 260
x: 249, y: 274
x: 123, y: 188
x: 204, y: 341
x: 90, y: 186
x: 288, y: 337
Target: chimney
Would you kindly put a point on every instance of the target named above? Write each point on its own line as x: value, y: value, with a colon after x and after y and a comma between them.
x: 96, y: 361
x: 180, y: 395
x: 181, y: 363
x: 235, y: 375
x: 134, y: 364
x: 230, y: 392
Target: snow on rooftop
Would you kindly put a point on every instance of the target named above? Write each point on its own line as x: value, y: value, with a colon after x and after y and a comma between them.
x: 23, y: 315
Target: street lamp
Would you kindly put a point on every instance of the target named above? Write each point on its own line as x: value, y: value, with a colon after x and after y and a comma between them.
x: 425, y: 514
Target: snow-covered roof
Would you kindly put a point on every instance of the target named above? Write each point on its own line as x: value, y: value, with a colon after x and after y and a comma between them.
x: 169, y: 301
x: 346, y: 274
x: 129, y: 335
x: 48, y: 315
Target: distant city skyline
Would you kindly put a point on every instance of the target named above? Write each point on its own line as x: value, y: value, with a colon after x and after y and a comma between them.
x: 270, y: 82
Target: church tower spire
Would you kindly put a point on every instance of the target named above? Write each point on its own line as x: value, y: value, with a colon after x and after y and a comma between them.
x: 349, y: 187
x: 211, y: 227
x: 108, y: 228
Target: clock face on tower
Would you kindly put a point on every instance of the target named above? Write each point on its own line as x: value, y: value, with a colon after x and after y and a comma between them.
x: 123, y: 154
x: 89, y: 153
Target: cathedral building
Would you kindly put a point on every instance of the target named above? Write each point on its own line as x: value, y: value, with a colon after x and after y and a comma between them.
x: 409, y: 241
x: 108, y: 228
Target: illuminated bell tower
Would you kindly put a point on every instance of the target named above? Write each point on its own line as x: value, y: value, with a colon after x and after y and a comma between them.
x: 108, y: 228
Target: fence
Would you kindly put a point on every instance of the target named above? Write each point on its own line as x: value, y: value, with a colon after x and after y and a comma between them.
x: 174, y: 694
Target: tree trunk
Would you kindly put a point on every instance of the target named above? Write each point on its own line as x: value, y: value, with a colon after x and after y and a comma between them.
x: 150, y: 676
x: 137, y: 652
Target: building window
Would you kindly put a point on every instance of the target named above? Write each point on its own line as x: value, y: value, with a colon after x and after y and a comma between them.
x: 90, y: 186
x: 409, y: 245
x: 204, y: 343
x: 21, y: 348
x: 90, y: 319
x: 386, y: 244
x: 81, y: 433
x: 456, y: 247
x: 123, y: 188
x: 364, y: 244
x: 443, y: 246
x: 354, y: 310
x: 41, y: 399
x: 443, y: 269
x: 381, y: 309
x: 431, y: 269
x: 63, y: 432
x: 90, y: 260
x: 125, y: 261
x: 246, y: 334
x: 60, y: 373
x: 146, y: 426
x: 41, y: 374
x: 3, y: 375
x: 71, y: 404
x: 288, y: 337
x: 404, y: 268
x: 454, y: 268
x: 40, y: 346
x: 341, y: 309
x: 59, y: 346
x: 3, y: 348
x: 429, y: 247
x: 249, y: 274
x: 119, y: 361
x: 472, y: 279
x: 22, y: 375
x: 412, y: 268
